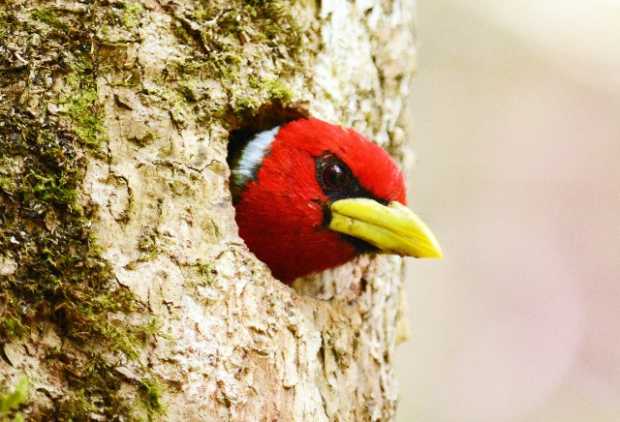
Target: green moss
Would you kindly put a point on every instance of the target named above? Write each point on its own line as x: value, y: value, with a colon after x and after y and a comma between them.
x: 57, y: 188
x: 60, y: 276
x: 82, y: 107
x: 77, y: 406
x: 88, y: 124
x: 7, y: 184
x: 48, y: 281
x: 48, y: 16
x: 132, y: 12
x: 207, y: 273
x: 12, y: 327
x: 235, y: 38
x: 3, y: 25
x: 95, y: 390
x: 201, y: 275
x: 189, y: 90
x: 245, y: 105
x: 205, y: 269
x: 11, y: 401
x: 278, y: 90
x: 148, y: 246
x: 274, y: 89
x: 60, y: 279
x: 151, y: 392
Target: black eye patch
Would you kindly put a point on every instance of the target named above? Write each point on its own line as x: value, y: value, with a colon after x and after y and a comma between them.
x: 337, y: 180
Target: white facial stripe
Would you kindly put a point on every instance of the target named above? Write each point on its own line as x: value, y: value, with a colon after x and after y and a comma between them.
x: 252, y: 156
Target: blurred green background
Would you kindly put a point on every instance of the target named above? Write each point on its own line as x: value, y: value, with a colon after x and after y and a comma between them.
x: 516, y: 116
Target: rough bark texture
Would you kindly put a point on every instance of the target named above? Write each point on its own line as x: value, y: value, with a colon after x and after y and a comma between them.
x: 125, y: 291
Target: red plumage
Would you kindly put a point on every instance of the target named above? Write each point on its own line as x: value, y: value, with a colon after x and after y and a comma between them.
x: 281, y: 212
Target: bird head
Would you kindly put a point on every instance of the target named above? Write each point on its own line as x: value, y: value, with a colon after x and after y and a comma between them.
x: 310, y: 195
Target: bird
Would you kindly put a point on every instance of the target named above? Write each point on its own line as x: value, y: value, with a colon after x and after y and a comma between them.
x: 311, y: 195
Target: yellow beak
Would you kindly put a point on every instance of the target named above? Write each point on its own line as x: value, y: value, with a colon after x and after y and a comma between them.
x: 393, y: 228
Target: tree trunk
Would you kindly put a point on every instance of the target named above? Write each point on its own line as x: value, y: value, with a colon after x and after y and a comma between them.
x: 125, y: 290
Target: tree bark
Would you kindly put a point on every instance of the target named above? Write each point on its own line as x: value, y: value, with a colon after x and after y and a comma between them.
x: 125, y: 290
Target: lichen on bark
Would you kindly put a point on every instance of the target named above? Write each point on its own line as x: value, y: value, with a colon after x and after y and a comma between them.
x: 125, y: 291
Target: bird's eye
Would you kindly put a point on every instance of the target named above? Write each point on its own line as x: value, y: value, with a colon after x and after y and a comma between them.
x: 334, y: 176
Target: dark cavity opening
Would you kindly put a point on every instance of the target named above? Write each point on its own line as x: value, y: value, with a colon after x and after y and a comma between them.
x: 268, y: 116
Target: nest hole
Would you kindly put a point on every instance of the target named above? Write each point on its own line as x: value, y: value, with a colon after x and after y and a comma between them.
x: 268, y: 116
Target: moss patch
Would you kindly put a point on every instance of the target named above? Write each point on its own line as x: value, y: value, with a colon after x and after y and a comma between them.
x: 233, y: 43
x: 12, y: 400
x: 152, y: 390
x: 86, y: 115
x: 131, y: 14
x: 48, y: 16
x: 55, y: 276
x: 80, y: 102
x: 60, y: 276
